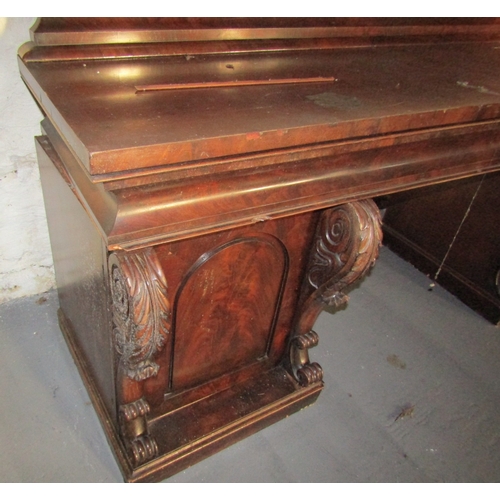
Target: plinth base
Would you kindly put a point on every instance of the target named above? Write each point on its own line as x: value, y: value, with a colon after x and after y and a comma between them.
x: 191, y: 433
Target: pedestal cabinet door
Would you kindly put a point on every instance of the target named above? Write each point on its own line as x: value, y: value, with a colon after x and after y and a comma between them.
x: 226, y: 308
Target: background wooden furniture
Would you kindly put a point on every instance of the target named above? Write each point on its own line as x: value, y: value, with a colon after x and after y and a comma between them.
x: 452, y: 233
x: 198, y: 231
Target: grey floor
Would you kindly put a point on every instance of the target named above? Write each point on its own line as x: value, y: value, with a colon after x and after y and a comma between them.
x: 412, y: 395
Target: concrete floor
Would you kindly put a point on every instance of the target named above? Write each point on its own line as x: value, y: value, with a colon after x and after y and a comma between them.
x: 412, y: 395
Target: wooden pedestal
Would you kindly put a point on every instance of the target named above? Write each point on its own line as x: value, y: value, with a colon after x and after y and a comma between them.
x: 190, y: 345
x: 452, y: 233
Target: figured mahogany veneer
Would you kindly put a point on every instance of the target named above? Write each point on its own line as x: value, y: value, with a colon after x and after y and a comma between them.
x: 198, y: 231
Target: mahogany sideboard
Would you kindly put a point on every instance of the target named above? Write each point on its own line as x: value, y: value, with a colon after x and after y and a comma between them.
x: 208, y: 186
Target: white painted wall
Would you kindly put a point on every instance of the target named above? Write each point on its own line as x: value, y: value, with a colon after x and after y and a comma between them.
x: 25, y: 256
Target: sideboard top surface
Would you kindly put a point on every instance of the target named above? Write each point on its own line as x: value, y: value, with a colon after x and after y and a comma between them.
x: 111, y: 127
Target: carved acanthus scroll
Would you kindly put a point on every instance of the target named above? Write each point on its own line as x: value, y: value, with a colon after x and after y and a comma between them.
x: 141, y: 319
x: 346, y: 246
x: 141, y: 311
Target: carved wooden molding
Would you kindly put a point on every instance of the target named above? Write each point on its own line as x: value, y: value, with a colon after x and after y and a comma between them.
x: 141, y: 310
x: 143, y: 448
x: 141, y: 320
x: 305, y: 372
x: 134, y: 429
x: 346, y: 246
x: 134, y: 410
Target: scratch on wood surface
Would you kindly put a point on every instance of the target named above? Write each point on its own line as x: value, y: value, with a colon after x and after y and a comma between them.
x: 479, y: 88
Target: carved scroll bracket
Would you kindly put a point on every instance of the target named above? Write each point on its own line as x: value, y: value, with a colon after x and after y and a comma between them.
x: 141, y: 310
x: 141, y: 324
x: 345, y: 247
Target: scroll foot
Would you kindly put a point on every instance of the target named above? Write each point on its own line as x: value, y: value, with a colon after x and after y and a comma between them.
x: 134, y: 429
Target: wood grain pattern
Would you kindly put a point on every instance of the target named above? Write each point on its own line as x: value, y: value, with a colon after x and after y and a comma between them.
x: 67, y: 31
x: 279, y: 185
x: 112, y: 129
x: 239, y: 284
x: 226, y: 309
x: 198, y: 233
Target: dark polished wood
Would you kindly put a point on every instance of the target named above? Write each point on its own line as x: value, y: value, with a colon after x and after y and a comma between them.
x: 199, y: 230
x: 451, y: 233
